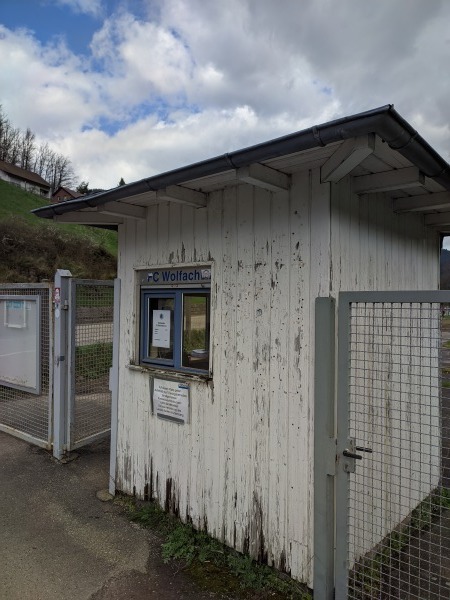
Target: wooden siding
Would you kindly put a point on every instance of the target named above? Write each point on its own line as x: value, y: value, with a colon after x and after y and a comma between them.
x: 243, y: 467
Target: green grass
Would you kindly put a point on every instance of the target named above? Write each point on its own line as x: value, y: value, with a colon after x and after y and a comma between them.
x: 211, y: 564
x: 94, y: 360
x: 15, y: 202
x: 31, y: 249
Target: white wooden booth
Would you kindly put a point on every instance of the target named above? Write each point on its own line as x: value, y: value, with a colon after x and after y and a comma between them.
x: 221, y: 431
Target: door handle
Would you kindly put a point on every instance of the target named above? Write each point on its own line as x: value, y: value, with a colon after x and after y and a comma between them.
x: 352, y: 454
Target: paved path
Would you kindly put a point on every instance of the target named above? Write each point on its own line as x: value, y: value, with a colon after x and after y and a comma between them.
x: 59, y: 542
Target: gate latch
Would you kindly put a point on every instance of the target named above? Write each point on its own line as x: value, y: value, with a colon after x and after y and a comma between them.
x: 351, y: 455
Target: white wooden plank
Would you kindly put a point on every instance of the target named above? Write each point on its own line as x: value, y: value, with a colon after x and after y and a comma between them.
x: 227, y: 383
x: 349, y: 155
x: 261, y: 325
x: 424, y: 202
x: 178, y: 193
x: 214, y: 434
x: 390, y: 180
x: 278, y: 384
x: 247, y: 505
x: 88, y: 218
x: 303, y: 249
x: 264, y: 177
x: 438, y: 219
x: 122, y: 209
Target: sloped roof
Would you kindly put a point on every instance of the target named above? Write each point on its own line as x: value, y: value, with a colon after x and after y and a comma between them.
x: 69, y: 192
x: 371, y: 145
x: 23, y: 174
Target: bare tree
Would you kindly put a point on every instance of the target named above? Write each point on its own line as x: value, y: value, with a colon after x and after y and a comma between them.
x: 20, y: 149
x: 27, y: 149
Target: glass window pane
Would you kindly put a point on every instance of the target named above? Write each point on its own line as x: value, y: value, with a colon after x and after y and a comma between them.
x: 161, y: 326
x: 195, y: 353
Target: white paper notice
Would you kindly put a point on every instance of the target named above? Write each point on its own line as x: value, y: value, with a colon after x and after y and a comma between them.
x: 161, y: 329
x: 171, y: 400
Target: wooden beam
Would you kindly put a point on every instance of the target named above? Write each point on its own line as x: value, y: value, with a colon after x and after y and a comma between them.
x: 348, y: 156
x: 121, y: 209
x: 177, y: 193
x: 423, y: 202
x: 388, y: 180
x: 438, y: 219
x: 264, y: 177
x: 88, y: 218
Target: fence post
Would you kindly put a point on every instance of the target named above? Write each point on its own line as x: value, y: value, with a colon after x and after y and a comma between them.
x: 324, y: 447
x: 114, y: 387
x: 60, y: 363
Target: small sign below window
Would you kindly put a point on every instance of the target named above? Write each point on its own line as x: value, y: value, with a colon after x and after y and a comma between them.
x: 170, y: 400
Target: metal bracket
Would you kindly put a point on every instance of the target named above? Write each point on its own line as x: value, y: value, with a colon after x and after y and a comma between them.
x: 350, y: 456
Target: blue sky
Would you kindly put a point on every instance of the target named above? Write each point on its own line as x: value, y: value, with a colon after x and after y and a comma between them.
x: 132, y: 88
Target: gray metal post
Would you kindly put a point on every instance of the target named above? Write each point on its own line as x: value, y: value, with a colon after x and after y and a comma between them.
x: 114, y: 387
x: 342, y: 477
x: 61, y: 305
x: 324, y: 448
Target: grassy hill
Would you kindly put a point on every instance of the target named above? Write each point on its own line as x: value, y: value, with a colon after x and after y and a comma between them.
x: 31, y: 249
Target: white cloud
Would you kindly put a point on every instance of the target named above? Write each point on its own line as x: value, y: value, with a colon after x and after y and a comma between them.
x: 199, y: 78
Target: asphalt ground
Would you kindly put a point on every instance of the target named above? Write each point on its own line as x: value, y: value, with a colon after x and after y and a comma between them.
x: 58, y: 541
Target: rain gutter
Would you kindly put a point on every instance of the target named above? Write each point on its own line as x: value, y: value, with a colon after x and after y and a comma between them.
x: 384, y: 121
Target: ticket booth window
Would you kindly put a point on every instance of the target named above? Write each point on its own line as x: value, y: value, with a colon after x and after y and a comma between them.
x: 175, y: 329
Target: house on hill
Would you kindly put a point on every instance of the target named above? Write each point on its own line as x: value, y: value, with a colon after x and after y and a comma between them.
x: 62, y: 194
x: 28, y: 180
x: 220, y: 264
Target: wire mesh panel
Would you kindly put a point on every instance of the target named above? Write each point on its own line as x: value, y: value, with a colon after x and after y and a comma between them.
x: 91, y: 341
x: 26, y: 356
x: 398, y: 520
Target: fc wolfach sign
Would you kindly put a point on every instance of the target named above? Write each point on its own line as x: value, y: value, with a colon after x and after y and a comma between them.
x: 178, y: 276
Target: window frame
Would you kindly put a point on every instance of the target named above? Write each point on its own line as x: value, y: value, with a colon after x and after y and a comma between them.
x: 177, y: 294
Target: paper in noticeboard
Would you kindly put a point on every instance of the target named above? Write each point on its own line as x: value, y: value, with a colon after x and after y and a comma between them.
x: 161, y: 329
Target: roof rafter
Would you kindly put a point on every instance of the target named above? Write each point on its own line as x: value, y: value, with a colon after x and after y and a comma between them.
x: 123, y: 210
x: 88, y: 218
x: 264, y: 177
x: 183, y: 195
x: 348, y: 156
x: 423, y: 202
x: 388, y: 180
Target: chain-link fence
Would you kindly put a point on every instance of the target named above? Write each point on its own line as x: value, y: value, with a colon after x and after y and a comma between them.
x: 398, y: 519
x: 91, y: 341
x: 26, y: 356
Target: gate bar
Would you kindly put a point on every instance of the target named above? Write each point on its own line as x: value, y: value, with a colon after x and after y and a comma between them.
x: 324, y: 448
x: 62, y: 278
x: 114, y: 386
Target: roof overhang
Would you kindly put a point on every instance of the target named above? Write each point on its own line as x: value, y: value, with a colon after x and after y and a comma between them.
x: 416, y: 176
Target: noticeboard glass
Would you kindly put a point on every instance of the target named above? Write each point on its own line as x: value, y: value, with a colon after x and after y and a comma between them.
x: 20, y: 346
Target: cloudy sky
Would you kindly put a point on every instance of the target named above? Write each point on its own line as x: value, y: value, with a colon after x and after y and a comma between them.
x: 130, y: 88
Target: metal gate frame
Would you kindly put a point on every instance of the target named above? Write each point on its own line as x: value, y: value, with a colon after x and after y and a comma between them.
x: 23, y: 290
x: 64, y: 363
x: 331, y: 433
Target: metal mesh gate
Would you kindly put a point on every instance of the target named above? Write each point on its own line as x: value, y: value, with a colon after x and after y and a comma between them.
x: 23, y: 413
x: 393, y: 511
x: 91, y: 344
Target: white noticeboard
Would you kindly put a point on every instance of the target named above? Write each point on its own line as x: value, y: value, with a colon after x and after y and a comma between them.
x: 170, y: 400
x: 161, y: 329
x: 20, y: 347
